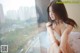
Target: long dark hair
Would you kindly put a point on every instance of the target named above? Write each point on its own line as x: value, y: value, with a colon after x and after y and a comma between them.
x: 60, y: 10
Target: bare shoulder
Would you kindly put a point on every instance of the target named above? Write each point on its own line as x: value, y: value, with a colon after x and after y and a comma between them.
x: 68, y: 29
x: 69, y: 26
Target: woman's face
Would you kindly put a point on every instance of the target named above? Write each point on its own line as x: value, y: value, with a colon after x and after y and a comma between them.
x: 51, y: 14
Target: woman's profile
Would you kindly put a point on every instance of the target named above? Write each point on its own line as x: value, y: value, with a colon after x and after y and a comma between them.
x: 59, y: 27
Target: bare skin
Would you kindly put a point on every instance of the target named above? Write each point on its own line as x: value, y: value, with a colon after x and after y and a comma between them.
x: 64, y: 31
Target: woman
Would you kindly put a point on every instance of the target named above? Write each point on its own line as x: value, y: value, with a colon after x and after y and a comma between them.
x: 59, y: 28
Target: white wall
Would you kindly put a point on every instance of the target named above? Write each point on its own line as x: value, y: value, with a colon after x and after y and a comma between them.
x: 73, y: 11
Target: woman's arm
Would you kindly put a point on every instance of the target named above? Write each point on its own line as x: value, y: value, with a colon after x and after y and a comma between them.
x: 64, y: 38
x: 51, y: 33
x: 54, y: 47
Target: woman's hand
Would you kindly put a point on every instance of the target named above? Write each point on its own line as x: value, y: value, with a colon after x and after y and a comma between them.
x: 58, y: 43
x: 50, y: 25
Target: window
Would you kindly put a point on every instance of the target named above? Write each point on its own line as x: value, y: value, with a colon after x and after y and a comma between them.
x: 18, y: 24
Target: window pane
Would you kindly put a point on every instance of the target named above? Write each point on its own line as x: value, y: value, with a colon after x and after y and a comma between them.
x: 18, y: 25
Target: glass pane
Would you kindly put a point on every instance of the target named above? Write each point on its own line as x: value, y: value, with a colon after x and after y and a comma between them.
x: 18, y: 26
